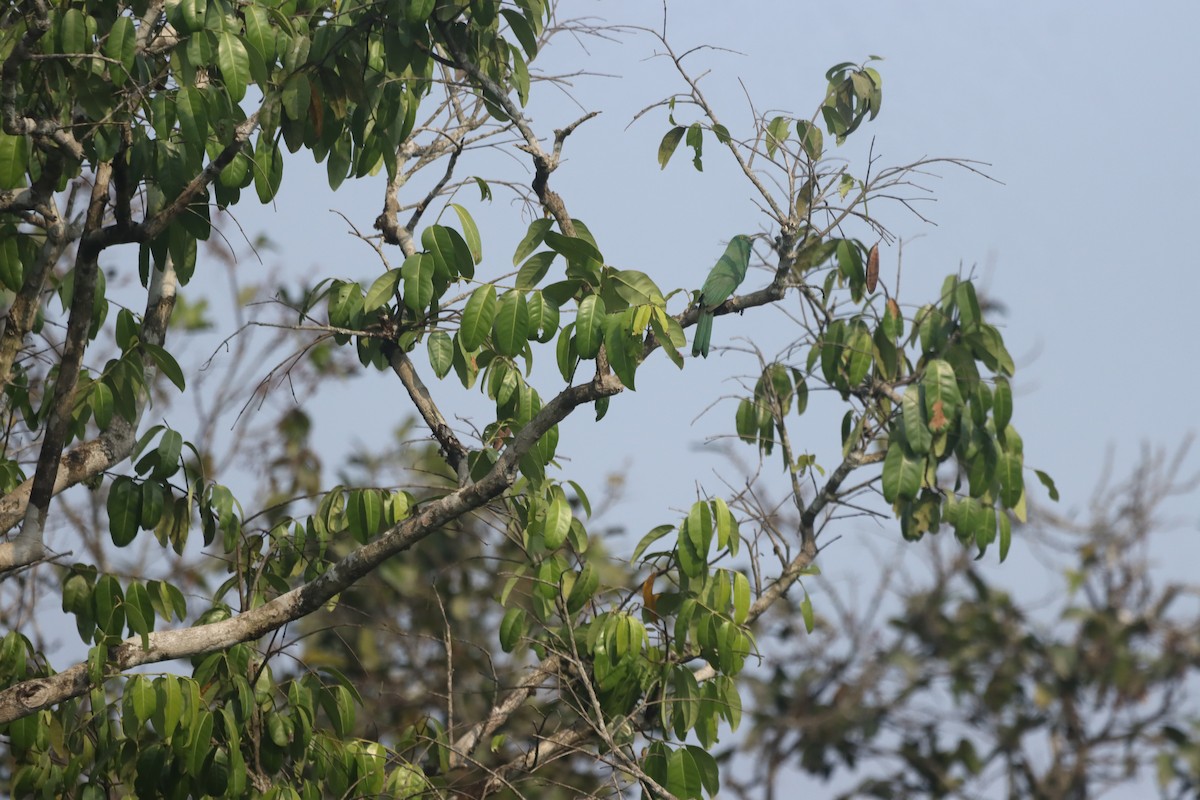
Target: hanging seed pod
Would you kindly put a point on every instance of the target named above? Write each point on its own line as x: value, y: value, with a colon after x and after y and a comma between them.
x: 873, y: 269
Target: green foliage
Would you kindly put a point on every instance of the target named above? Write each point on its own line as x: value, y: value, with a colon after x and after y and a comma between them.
x: 163, y: 117
x: 1094, y: 665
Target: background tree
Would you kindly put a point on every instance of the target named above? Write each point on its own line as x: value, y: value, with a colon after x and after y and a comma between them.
x: 965, y: 690
x: 128, y: 126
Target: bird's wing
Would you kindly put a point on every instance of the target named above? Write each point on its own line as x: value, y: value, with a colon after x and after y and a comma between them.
x: 728, y: 273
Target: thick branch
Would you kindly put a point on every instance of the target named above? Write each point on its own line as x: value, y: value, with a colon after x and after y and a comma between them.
x: 151, y: 228
x: 16, y: 200
x: 503, y: 710
x: 455, y: 452
x: 29, y: 542
x: 28, y: 696
x: 113, y: 445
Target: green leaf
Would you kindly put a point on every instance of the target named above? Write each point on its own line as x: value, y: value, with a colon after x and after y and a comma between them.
x: 566, y: 354
x: 1012, y: 482
x: 710, y: 773
x: 811, y: 139
x: 14, y: 160
x: 170, y: 448
x: 685, y: 701
x: 589, y: 326
x: 650, y: 538
x: 558, y: 522
x: 441, y: 353
x: 727, y: 526
x: 533, y: 270
x: 450, y: 252
x: 661, y: 325
x: 73, y: 33
x: 692, y: 563
x: 193, y: 13
x: 1005, y: 536
x: 970, y: 317
x: 372, y: 510
x: 124, y: 507
x: 382, y: 291
x: 417, y: 272
x: 683, y: 776
x: 901, y: 474
x: 859, y: 353
x: 512, y: 628
x: 169, y: 705
x: 636, y: 288
x: 12, y: 271
x: 477, y: 317
x: 193, y: 117
x: 584, y: 589
x: 741, y: 598
x: 666, y: 147
x: 1048, y: 482
x: 620, y: 348
x: 152, y: 506
x: 200, y: 745
x: 337, y: 167
x: 142, y: 699
x: 695, y: 140
x: 268, y: 168
x: 260, y: 34
x: 543, y: 317
x: 521, y: 29
x: 470, y: 232
x: 942, y: 398
x: 418, y: 11
x: 576, y: 249
x: 138, y: 624
x: 297, y: 96
x: 806, y: 612
x: 102, y: 404
x: 699, y: 527
x: 1002, y: 403
x: 121, y: 46
x: 916, y: 430
x: 533, y: 239
x: 166, y: 364
x: 511, y: 326
x: 234, y: 63
x: 850, y: 263
x: 777, y: 133
x: 746, y: 421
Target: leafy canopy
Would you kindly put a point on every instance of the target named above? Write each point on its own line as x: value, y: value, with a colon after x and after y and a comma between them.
x: 131, y: 123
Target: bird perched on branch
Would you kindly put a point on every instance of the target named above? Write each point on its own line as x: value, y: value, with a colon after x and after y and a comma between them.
x: 724, y: 278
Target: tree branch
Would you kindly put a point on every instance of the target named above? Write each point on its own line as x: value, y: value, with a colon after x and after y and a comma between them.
x: 452, y: 448
x: 20, y: 318
x: 113, y: 445
x: 500, y: 712
x: 543, y: 163
x: 15, y: 124
x: 29, y: 544
x: 29, y: 696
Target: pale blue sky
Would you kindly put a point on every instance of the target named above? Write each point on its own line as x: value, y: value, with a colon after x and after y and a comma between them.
x: 1083, y: 110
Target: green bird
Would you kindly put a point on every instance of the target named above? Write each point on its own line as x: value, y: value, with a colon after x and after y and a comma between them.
x: 725, y: 277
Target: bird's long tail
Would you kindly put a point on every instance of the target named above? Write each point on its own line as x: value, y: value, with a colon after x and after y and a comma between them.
x: 703, y: 334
